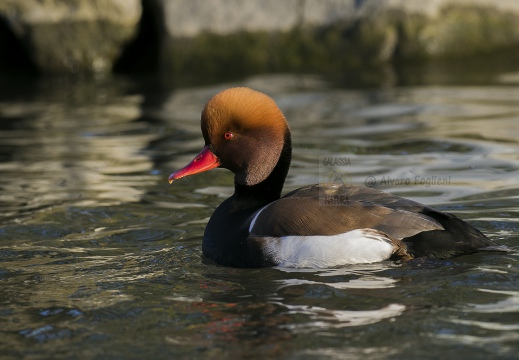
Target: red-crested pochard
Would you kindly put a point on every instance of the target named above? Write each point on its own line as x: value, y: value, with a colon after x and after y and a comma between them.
x: 245, y: 132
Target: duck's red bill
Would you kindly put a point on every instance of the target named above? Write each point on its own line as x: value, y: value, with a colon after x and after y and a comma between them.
x: 204, y: 161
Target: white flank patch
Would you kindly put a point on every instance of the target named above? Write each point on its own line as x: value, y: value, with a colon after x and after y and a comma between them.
x: 256, y: 217
x: 359, y: 246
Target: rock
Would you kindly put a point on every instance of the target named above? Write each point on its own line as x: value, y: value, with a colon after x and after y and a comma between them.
x: 189, y: 18
x: 222, y: 38
x: 74, y: 35
x: 266, y: 35
x: 441, y: 28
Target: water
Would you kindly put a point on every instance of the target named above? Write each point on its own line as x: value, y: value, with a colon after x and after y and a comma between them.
x: 101, y: 258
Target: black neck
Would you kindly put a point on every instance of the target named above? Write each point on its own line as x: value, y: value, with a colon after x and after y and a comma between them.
x: 269, y: 189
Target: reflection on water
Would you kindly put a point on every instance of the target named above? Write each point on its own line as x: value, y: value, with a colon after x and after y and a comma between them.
x: 489, y: 333
x: 62, y: 153
x: 357, y: 277
x: 328, y: 319
x: 510, y: 304
x: 362, y: 276
x: 372, y: 282
x: 100, y: 257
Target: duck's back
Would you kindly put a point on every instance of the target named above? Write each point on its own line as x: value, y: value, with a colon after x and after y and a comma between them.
x: 337, y: 209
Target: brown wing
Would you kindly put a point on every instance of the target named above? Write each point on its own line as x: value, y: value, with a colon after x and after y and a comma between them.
x: 329, y: 210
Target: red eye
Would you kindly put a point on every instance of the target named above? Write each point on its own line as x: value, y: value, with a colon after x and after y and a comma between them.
x: 228, y: 135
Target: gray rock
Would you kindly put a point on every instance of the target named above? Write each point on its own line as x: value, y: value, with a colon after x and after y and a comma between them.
x: 74, y: 35
x: 188, y: 18
x: 261, y: 35
x: 244, y: 36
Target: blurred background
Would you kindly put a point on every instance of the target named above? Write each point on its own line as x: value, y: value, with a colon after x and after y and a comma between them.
x: 183, y: 42
x: 100, y: 100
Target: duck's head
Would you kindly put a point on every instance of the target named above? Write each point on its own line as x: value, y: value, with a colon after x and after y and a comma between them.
x: 245, y: 132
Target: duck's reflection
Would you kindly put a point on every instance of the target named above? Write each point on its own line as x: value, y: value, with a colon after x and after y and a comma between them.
x: 325, y: 318
x: 366, y: 276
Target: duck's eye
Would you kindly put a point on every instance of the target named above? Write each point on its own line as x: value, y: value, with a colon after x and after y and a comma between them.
x: 228, y: 135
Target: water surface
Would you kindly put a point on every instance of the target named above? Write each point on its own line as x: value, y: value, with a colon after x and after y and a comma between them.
x: 101, y: 258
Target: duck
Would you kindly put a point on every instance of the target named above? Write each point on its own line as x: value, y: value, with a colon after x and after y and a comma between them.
x: 246, y: 132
